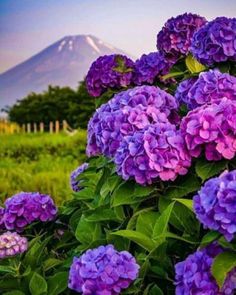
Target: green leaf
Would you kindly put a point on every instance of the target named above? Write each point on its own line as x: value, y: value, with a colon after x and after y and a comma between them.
x: 161, y: 224
x: 206, y: 169
x: 172, y: 75
x: 50, y: 263
x: 101, y: 214
x: 222, y: 265
x: 146, y: 222
x: 57, y: 283
x: 109, y: 185
x: 137, y: 237
x: 193, y: 65
x: 186, y: 202
x: 186, y: 185
x: 38, y: 285
x: 210, y: 237
x: 123, y: 195
x: 142, y: 191
x: 87, y: 232
x: 85, y: 194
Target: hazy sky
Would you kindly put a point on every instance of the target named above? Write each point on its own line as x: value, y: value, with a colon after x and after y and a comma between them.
x: 28, y: 26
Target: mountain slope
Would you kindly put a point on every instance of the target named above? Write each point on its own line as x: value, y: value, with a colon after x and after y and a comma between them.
x: 64, y: 63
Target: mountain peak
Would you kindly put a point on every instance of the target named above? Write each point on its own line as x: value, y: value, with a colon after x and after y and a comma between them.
x: 64, y: 63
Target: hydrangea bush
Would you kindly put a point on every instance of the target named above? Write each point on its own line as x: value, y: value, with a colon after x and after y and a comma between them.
x: 153, y: 209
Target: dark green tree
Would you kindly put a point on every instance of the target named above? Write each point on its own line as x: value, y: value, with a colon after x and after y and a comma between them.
x: 57, y: 103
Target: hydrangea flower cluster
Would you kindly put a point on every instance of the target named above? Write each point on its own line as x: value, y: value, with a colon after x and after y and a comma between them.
x: 109, y: 71
x: 193, y: 275
x: 150, y: 67
x: 127, y: 112
x: 102, y: 271
x: 24, y: 208
x: 176, y: 36
x: 74, y: 182
x: 212, y: 129
x: 215, y: 42
x: 155, y: 151
x: 12, y: 244
x: 214, y: 205
x: 211, y: 86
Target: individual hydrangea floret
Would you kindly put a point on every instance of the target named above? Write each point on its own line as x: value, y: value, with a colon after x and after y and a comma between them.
x: 74, y: 182
x: 212, y: 129
x: 175, y: 37
x: 150, y: 68
x: 215, y: 41
x: 109, y: 71
x: 158, y: 151
x: 24, y: 208
x: 12, y: 244
x: 127, y: 112
x: 103, y: 271
x: 193, y: 275
x: 211, y: 86
x: 214, y: 205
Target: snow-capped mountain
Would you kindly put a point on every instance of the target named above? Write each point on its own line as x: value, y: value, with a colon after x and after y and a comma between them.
x: 64, y: 63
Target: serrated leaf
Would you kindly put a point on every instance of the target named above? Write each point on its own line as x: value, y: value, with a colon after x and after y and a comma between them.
x: 101, y: 214
x: 137, y: 237
x: 50, y: 263
x: 146, y: 222
x: 87, y: 232
x: 206, y: 169
x: 193, y: 65
x: 222, y: 265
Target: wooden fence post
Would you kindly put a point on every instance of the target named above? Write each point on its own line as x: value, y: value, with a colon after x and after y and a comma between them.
x: 51, y: 127
x: 23, y: 128
x: 28, y: 127
x: 41, y: 127
x: 57, y: 126
x: 35, y: 127
x: 64, y: 124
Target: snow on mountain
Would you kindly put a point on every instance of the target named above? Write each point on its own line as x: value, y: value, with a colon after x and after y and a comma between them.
x: 63, y: 63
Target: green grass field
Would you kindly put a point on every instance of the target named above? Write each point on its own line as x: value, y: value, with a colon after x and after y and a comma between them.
x: 39, y: 162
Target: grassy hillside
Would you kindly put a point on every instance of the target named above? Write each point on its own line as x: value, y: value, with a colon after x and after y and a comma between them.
x: 39, y: 162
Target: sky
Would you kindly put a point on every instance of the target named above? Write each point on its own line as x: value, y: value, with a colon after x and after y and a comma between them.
x: 28, y: 26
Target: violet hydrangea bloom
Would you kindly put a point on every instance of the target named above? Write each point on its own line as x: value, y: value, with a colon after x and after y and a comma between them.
x: 176, y: 36
x: 215, y: 41
x: 24, y: 208
x: 103, y: 271
x: 127, y: 112
x: 150, y: 67
x: 214, y: 205
x: 12, y: 244
x: 158, y: 151
x: 211, y: 86
x: 212, y: 129
x: 74, y: 183
x: 193, y: 275
x: 109, y: 71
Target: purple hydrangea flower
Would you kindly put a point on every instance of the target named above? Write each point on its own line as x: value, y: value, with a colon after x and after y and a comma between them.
x: 24, y: 208
x: 193, y: 275
x: 12, y: 244
x: 109, y: 71
x: 74, y: 183
x: 211, y: 86
x: 212, y: 129
x: 150, y: 67
x: 176, y: 36
x: 127, y: 112
x: 156, y: 151
x: 215, y: 41
x: 103, y: 271
x: 215, y: 206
